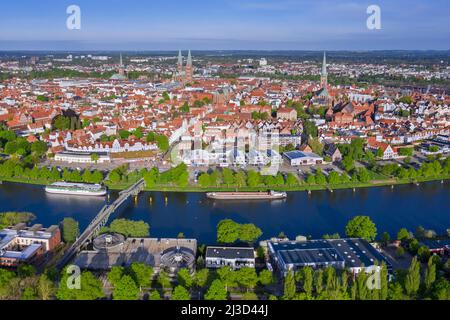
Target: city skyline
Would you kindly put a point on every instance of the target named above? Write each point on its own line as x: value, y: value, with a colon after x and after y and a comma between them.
x: 225, y: 25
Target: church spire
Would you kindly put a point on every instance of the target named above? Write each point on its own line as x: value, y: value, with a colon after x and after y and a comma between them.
x: 189, y: 59
x: 121, y: 61
x: 180, y: 58
x: 324, y: 74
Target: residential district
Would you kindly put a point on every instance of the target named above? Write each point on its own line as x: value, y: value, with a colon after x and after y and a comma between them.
x: 228, y: 123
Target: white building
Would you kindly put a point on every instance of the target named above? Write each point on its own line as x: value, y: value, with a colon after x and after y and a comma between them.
x: 299, y: 158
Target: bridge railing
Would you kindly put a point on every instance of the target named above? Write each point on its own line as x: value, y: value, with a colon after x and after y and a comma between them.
x: 103, y: 214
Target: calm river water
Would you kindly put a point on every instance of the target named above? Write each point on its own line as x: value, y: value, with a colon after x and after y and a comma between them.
x: 191, y: 213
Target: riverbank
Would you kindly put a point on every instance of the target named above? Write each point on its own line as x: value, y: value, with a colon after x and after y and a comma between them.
x: 298, y: 188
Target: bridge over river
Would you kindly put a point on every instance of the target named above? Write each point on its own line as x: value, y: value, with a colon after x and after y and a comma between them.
x: 99, y: 221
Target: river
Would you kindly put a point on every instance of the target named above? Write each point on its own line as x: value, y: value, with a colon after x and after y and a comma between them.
x: 300, y: 214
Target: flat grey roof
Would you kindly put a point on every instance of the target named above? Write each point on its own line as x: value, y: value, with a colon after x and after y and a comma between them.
x: 230, y: 252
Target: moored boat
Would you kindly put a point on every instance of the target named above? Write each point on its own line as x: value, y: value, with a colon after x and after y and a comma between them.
x: 79, y: 189
x: 270, y: 195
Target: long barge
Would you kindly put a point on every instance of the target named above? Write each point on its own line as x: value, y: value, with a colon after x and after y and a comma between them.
x: 270, y: 195
x: 77, y: 189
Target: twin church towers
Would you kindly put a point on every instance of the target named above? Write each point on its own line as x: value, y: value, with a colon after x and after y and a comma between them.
x: 184, y: 74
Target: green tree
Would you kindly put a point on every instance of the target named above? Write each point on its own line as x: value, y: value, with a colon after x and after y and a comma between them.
x: 201, y: 278
x: 228, y: 231
x: 141, y: 273
x: 126, y: 289
x: 216, y: 291
x: 39, y: 148
x: 249, y: 232
x: 430, y: 274
x: 180, y: 293
x: 266, y: 277
x: 247, y: 277
x: 154, y: 295
x: 95, y: 157
x: 151, y: 177
x: 129, y: 228
x: 164, y: 280
x: 289, y: 286
x: 45, y: 287
x: 412, y: 280
x: 90, y: 288
x: 115, y: 274
x: 228, y: 177
x: 403, y: 234
x: 361, y: 227
x: 70, y: 230
x: 185, y: 278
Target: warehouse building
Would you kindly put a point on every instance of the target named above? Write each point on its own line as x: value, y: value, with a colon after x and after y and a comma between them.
x: 352, y: 254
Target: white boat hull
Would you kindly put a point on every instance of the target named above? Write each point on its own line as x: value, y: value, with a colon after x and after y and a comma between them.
x: 76, y: 193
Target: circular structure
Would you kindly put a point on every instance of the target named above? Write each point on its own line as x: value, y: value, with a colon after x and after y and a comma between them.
x: 174, y: 259
x: 108, y: 241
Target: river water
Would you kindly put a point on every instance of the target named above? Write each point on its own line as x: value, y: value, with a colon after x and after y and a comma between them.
x: 300, y: 214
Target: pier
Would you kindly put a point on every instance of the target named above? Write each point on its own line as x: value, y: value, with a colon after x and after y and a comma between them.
x: 100, y: 221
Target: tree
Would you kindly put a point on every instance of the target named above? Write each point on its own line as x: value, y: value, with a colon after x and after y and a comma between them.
x: 95, y: 157
x: 141, y: 273
x: 96, y: 177
x: 62, y: 123
x: 39, y: 148
x: 385, y: 238
x: 228, y: 231
x: 90, y: 288
x: 291, y: 180
x: 240, y: 179
x: 126, y: 289
x: 361, y: 227
x: 45, y: 287
x: 151, y: 177
x: 289, y: 286
x: 180, y: 293
x: 441, y: 290
x: 228, y: 177
x: 71, y: 230
x: 412, y: 280
x: 307, y: 279
x: 204, y: 180
x: 162, y: 142
x: 249, y: 232
x: 247, y: 277
x: 201, y: 278
x: 430, y: 274
x: 114, y: 177
x: 266, y: 277
x: 115, y: 275
x: 316, y: 146
x: 403, y: 234
x: 154, y: 295
x: 185, y: 278
x: 25, y: 271
x: 216, y: 291
x: 87, y: 176
x: 129, y: 228
x: 164, y: 280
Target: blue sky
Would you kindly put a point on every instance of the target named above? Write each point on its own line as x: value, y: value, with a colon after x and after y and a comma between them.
x: 225, y: 24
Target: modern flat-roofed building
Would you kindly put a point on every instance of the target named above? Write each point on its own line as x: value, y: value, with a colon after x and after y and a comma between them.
x: 21, y: 244
x: 234, y: 257
x: 293, y: 255
x: 353, y: 254
x: 300, y: 158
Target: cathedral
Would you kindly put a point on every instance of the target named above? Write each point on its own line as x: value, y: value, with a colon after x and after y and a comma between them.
x: 184, y: 75
x: 322, y: 97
